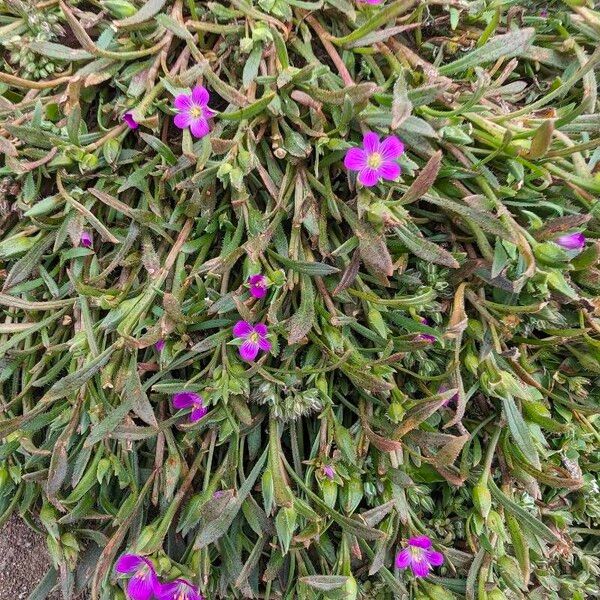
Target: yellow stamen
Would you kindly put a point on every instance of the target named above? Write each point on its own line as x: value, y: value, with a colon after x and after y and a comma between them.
x: 196, y: 112
x: 374, y: 161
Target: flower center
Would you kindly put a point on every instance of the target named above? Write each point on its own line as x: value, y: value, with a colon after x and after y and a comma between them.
x: 374, y: 161
x: 196, y: 112
x: 416, y: 553
x: 254, y: 337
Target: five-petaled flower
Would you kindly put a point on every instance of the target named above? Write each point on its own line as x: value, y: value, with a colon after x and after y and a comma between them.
x: 255, y: 339
x: 130, y: 121
x: 258, y: 285
x: 571, y: 241
x: 180, y: 589
x: 190, y: 400
x: 419, y: 556
x: 376, y: 160
x: 193, y: 111
x: 85, y: 239
x: 143, y: 583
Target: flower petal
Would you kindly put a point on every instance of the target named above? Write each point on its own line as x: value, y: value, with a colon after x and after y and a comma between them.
x: 130, y: 121
x: 86, y: 239
x: 370, y: 142
x: 403, y: 559
x: 256, y: 279
x: 198, y: 412
x: 199, y: 127
x: 389, y: 170
x: 249, y: 350
x: 434, y: 558
x: 355, y: 159
x: 258, y: 291
x: 242, y: 329
x: 182, y: 120
x: 391, y: 148
x: 261, y: 329
x: 571, y: 241
x: 420, y: 541
x: 420, y: 567
x: 129, y: 563
x: 142, y: 586
x: 183, y: 102
x: 368, y: 177
x: 180, y: 589
x: 200, y: 95
x: 186, y: 399
x: 264, y: 344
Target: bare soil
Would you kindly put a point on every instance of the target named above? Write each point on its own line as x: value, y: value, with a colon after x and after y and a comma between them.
x: 24, y: 560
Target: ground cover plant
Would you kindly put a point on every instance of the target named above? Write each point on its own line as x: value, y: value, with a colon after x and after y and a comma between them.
x: 299, y: 298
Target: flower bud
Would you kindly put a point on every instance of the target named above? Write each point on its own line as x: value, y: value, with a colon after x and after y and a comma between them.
x: 330, y: 490
x: 111, y: 150
x: 119, y: 8
x: 482, y: 499
x: 551, y: 254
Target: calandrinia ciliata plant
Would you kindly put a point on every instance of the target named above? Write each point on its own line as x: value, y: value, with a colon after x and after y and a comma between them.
x: 300, y: 299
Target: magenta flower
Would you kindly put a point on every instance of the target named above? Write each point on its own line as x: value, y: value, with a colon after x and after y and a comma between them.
x: 444, y: 388
x: 258, y: 285
x: 144, y: 583
x: 571, y: 241
x: 376, y: 160
x: 86, y: 239
x: 180, y: 589
x: 193, y: 111
x: 130, y: 121
x: 419, y: 556
x: 255, y: 337
x: 328, y: 471
x: 191, y: 400
x: 160, y: 345
x: 426, y: 337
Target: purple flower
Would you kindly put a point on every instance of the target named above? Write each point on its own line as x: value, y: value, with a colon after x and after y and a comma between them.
x: 376, y: 160
x: 419, y: 556
x: 130, y: 120
x: 571, y: 241
x: 193, y: 111
x: 180, y: 589
x: 144, y: 583
x: 444, y: 388
x: 426, y: 337
x: 544, y: 13
x: 258, y: 285
x: 160, y: 345
x: 193, y: 401
x: 328, y: 471
x: 255, y: 337
x: 86, y: 239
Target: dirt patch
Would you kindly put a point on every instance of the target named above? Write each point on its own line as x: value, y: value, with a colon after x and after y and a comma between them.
x: 24, y: 560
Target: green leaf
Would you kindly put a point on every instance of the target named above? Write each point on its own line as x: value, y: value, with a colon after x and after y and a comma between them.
x: 520, y: 432
x: 501, y: 46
